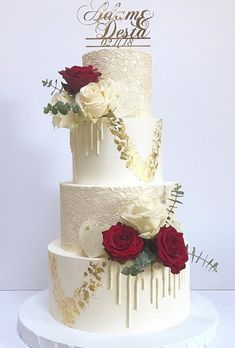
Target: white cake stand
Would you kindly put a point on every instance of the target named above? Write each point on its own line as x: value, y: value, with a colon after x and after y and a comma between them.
x: 38, y: 329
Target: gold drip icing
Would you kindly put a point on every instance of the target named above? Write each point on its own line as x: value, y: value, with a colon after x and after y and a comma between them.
x: 182, y: 276
x: 110, y: 276
x: 87, y: 139
x: 71, y: 307
x: 101, y: 130
x: 97, y: 140
x: 163, y: 282
x: 128, y: 301
x: 151, y: 283
x: 142, y: 284
x: 136, y: 298
x: 119, y: 294
x: 157, y: 290
x: 92, y: 136
x: 174, y: 285
x: 169, y: 282
x: 179, y: 283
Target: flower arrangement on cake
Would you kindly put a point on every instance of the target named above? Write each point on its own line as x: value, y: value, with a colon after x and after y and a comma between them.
x: 82, y: 97
x: 148, y: 231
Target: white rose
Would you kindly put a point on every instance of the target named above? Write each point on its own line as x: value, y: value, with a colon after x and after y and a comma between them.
x: 95, y: 99
x: 64, y: 121
x: 62, y: 96
x: 59, y: 120
x: 146, y: 216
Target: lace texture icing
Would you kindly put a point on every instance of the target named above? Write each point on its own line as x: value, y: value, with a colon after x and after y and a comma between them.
x: 131, y: 70
x: 101, y: 204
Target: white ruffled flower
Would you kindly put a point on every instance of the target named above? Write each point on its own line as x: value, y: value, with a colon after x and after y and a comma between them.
x: 146, y: 216
x: 59, y: 120
x: 62, y: 96
x: 95, y: 98
x: 90, y: 239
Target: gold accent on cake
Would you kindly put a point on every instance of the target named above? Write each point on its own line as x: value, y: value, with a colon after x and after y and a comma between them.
x: 71, y: 307
x: 144, y: 169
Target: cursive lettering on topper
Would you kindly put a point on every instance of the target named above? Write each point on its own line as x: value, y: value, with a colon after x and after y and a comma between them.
x: 114, y: 27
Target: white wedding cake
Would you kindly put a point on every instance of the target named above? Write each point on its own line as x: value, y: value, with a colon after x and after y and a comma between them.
x: 120, y: 265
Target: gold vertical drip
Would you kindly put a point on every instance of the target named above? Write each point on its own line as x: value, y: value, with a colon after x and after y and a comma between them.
x: 151, y: 284
x: 92, y: 136
x: 163, y: 282
x: 182, y: 273
x: 74, y: 150
x: 128, y: 322
x: 86, y: 139
x: 169, y: 282
x: 136, y: 298
x: 119, y: 295
x: 174, y: 285
x: 157, y: 290
x: 101, y: 130
x: 142, y: 283
x: 97, y: 140
x: 110, y: 277
x: 179, y: 282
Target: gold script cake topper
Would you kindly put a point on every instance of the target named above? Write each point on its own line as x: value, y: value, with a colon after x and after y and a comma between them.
x: 114, y: 26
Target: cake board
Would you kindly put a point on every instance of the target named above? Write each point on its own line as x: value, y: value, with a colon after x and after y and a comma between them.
x: 38, y: 329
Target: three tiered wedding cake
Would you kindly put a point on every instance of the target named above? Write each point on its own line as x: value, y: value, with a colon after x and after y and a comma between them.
x: 120, y: 264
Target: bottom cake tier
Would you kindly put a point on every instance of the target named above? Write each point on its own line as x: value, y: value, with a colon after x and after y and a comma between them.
x: 92, y: 294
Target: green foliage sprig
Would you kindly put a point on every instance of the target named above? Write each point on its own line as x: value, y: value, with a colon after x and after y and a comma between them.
x: 210, y: 264
x: 62, y: 108
x: 176, y: 194
x: 140, y: 263
x: 49, y: 83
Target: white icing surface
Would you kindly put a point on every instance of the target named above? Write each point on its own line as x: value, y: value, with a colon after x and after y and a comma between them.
x: 96, y: 160
x: 154, y: 300
x: 131, y: 69
x: 103, y: 205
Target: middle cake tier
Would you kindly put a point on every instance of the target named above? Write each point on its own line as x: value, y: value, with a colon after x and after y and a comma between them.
x: 102, y: 206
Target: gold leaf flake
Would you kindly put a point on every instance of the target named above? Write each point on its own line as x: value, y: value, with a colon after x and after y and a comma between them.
x: 144, y: 169
x: 70, y: 307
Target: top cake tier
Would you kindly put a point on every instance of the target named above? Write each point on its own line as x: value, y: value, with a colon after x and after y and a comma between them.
x: 106, y: 105
x: 132, y: 72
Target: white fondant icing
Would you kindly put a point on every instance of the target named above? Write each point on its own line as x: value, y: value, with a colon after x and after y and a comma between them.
x: 102, y: 313
x: 97, y: 161
x: 104, y: 205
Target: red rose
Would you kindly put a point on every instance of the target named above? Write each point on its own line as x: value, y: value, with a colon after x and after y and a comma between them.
x: 171, y: 249
x: 78, y: 77
x: 122, y: 242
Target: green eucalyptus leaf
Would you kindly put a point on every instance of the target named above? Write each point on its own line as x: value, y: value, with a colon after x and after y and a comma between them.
x: 75, y: 108
x: 54, y: 110
x: 134, y: 271
x: 126, y: 271
x: 68, y: 106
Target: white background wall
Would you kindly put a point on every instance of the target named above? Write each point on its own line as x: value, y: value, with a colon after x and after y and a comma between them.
x: 194, y: 87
